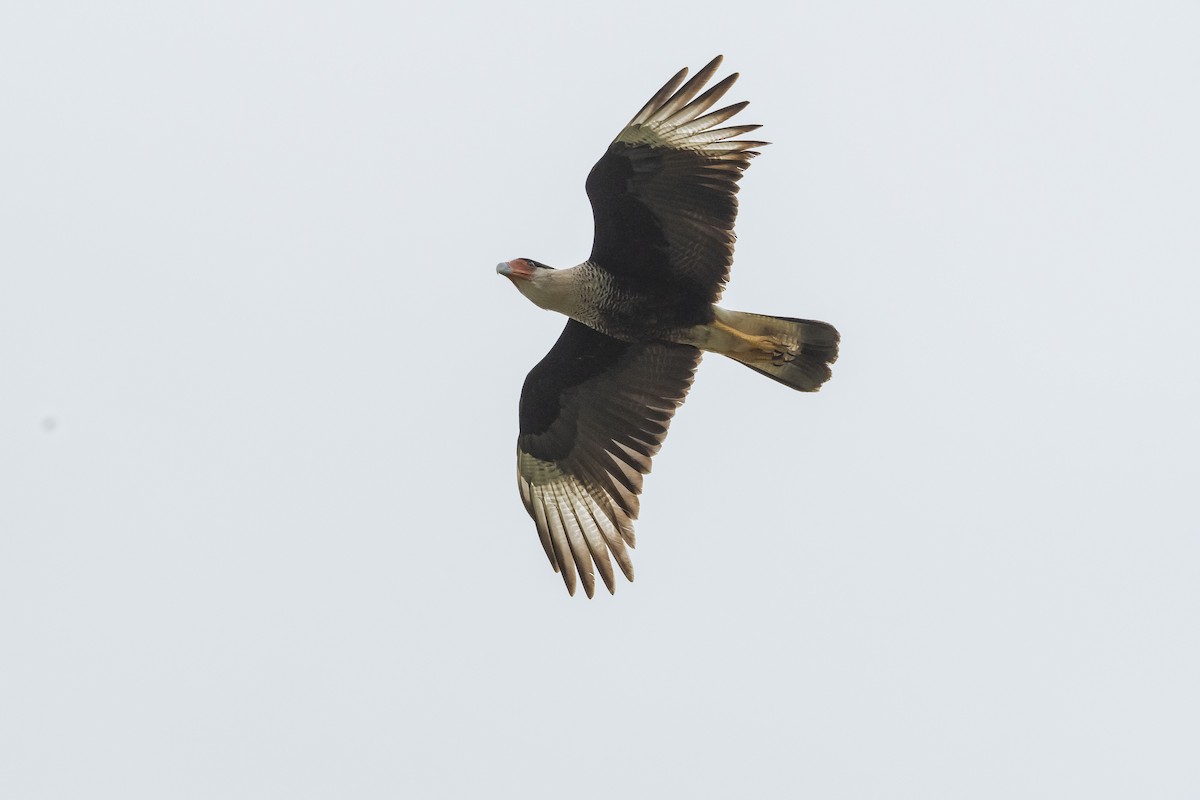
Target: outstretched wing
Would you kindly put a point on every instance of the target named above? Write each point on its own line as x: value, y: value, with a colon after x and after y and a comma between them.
x: 664, y: 196
x: 594, y: 412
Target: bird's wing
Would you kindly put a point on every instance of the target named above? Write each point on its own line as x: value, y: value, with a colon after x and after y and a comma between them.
x: 664, y: 196
x: 594, y: 412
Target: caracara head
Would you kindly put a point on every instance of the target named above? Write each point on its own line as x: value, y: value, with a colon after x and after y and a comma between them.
x: 521, y: 270
x: 541, y: 284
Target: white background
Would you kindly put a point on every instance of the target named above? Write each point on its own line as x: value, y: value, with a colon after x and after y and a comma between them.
x: 259, y: 528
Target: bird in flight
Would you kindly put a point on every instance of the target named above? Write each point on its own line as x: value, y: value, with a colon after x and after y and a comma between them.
x: 642, y: 310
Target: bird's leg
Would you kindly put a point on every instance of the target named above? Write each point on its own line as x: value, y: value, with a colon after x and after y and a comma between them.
x: 721, y: 337
x: 758, y: 347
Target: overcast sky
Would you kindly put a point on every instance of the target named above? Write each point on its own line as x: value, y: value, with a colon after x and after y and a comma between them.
x: 259, y: 528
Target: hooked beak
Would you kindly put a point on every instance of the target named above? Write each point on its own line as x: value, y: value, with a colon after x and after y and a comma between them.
x: 518, y: 268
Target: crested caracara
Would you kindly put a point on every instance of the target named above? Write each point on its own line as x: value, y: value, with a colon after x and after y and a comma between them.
x: 642, y: 309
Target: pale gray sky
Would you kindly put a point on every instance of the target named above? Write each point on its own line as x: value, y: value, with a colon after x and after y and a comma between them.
x: 259, y: 529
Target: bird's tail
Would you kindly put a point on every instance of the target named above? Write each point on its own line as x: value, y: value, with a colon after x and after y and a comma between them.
x: 795, y: 352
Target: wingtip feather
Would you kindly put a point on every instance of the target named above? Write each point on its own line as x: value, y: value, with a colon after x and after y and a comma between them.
x: 659, y: 98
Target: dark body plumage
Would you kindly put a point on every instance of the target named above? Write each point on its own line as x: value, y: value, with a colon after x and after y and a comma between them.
x: 596, y: 409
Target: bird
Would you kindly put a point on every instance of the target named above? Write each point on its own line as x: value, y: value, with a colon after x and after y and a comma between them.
x: 642, y: 310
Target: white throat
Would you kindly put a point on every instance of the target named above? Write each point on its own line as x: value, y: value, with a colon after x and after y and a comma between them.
x: 553, y: 290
